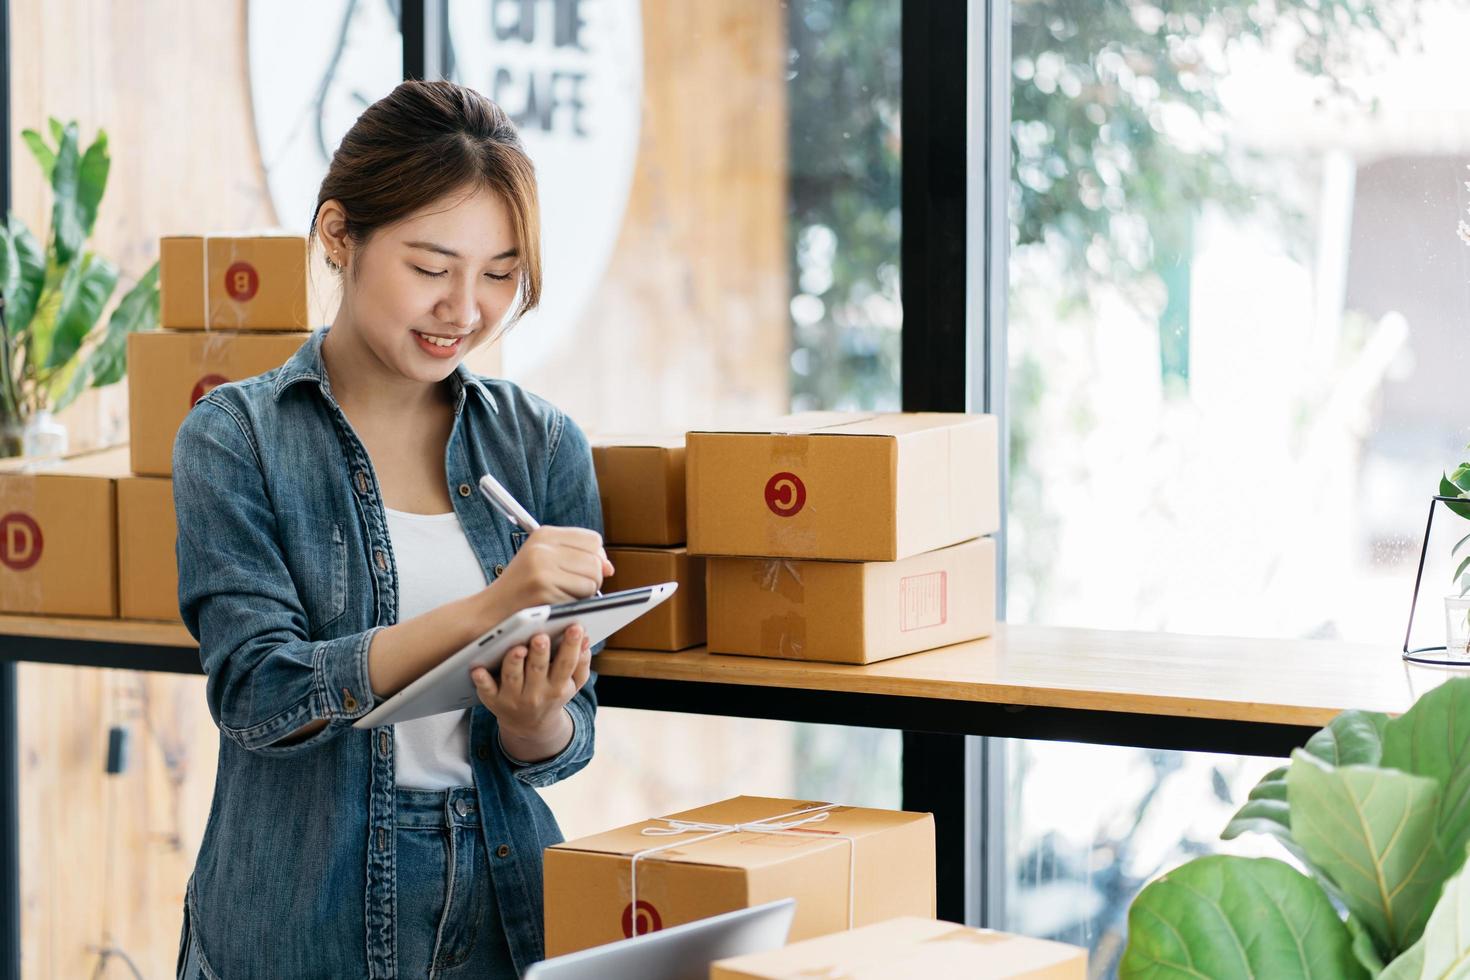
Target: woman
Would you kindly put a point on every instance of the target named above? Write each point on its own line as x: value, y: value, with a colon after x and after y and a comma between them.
x: 331, y: 548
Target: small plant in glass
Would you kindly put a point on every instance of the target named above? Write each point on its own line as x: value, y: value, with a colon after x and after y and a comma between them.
x: 1457, y: 604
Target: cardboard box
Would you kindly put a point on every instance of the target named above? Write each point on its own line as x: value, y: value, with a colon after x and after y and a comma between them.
x: 58, y: 535
x: 887, y: 855
x: 169, y: 371
x: 678, y: 623
x: 851, y: 612
x: 233, y: 282
x: 641, y: 479
x: 908, y: 947
x: 147, y: 569
x: 844, y: 486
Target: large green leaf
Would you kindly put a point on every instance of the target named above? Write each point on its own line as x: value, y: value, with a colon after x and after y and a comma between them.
x: 66, y: 217
x: 1372, y: 831
x: 1408, y: 966
x: 1363, y: 949
x: 1444, y: 951
x: 1352, y: 738
x: 1432, y: 739
x: 44, y: 155
x: 92, y: 181
x: 1222, y: 917
x: 20, y: 304
x: 107, y: 363
x: 82, y: 298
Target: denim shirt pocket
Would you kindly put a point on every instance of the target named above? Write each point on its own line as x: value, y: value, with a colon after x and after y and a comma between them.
x: 325, y: 597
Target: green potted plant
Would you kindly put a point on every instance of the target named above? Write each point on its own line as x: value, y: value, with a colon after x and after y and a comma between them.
x: 1457, y: 605
x: 53, y: 297
x: 1377, y: 810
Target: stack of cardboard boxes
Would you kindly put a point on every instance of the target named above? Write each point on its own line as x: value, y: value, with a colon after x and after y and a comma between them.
x: 825, y: 536
x: 844, y: 537
x: 641, y: 481
x: 93, y: 535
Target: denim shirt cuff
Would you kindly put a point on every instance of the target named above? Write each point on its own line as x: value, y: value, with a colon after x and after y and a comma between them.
x: 343, y: 675
x: 547, y: 772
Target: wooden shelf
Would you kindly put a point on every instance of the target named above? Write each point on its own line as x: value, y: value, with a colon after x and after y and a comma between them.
x: 1282, y: 682
x: 97, y: 630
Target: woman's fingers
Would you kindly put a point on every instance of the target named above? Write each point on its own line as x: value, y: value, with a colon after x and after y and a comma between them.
x: 566, y: 656
x: 584, y: 664
x: 513, y: 672
x: 485, y: 685
x: 539, y: 658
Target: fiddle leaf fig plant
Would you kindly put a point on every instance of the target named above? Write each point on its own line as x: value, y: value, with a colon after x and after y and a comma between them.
x: 1377, y: 810
x: 51, y: 349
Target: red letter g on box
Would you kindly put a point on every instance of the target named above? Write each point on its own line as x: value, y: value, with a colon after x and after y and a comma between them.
x: 785, y: 494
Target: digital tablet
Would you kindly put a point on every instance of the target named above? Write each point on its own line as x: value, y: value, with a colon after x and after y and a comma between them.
x: 447, y: 686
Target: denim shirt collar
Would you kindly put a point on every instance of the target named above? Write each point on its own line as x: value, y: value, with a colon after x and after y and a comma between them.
x: 306, y: 365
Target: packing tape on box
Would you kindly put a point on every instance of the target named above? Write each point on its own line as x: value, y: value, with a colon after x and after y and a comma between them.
x: 238, y: 314
x: 783, y: 635
x: 22, y: 536
x: 782, y: 824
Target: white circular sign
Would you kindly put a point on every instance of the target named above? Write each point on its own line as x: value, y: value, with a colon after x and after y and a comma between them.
x: 569, y: 72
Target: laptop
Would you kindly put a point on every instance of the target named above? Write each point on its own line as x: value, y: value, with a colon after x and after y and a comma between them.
x: 681, y: 952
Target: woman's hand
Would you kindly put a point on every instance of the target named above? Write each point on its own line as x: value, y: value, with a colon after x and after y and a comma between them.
x: 554, y: 564
x: 529, y: 698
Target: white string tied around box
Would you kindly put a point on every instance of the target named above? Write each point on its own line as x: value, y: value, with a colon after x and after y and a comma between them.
x: 783, y: 824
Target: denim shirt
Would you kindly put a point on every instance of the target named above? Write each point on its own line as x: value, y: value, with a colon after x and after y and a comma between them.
x: 285, y: 574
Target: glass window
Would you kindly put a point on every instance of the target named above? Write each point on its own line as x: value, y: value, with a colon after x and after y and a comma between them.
x: 719, y: 185
x: 1236, y: 324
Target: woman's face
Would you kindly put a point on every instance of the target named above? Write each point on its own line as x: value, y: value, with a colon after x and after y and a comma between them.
x: 426, y: 290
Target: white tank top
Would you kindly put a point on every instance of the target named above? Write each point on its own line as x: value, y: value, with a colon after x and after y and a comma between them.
x: 435, y: 565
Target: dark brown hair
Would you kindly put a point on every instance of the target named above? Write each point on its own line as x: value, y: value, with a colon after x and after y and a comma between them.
x: 424, y: 140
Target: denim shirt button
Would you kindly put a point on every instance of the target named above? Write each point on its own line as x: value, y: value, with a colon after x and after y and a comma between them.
x: 464, y: 489
x: 383, y: 744
x: 502, y: 851
x: 348, y: 701
x: 461, y: 807
x: 382, y: 560
x: 499, y: 570
x: 483, y: 752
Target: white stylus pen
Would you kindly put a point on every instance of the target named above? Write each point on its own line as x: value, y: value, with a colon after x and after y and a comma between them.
x: 502, y: 501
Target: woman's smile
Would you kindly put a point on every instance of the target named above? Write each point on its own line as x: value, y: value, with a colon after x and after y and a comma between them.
x: 439, y: 345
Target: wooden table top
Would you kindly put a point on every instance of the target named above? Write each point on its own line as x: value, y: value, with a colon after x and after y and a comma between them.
x: 1289, y: 682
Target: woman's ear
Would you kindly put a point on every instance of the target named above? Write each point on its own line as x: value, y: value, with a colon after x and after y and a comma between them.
x: 331, y: 226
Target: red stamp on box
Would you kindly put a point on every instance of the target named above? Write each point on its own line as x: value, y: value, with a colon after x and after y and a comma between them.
x: 921, y: 601
x: 785, y: 494
x: 205, y: 385
x: 20, y: 541
x: 242, y: 282
x: 648, y: 919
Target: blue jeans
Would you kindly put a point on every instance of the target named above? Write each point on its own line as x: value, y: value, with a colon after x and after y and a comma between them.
x: 448, y: 922
x: 448, y: 919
